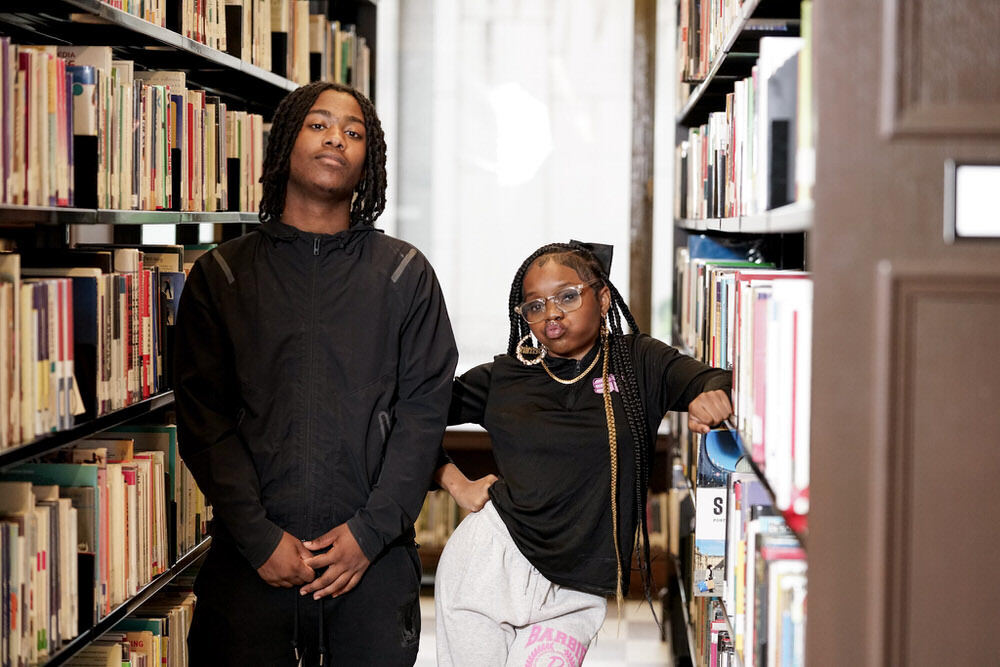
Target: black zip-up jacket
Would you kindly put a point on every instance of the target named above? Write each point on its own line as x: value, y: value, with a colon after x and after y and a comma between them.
x: 313, y: 376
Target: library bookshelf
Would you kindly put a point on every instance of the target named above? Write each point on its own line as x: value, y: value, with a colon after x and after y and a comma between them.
x: 171, y: 136
x: 738, y: 499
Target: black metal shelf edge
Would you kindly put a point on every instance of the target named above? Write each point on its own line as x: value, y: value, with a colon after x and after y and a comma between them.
x: 45, y: 215
x: 17, y: 215
x: 48, y: 443
x: 791, y: 218
x: 107, y: 623
x: 49, y: 19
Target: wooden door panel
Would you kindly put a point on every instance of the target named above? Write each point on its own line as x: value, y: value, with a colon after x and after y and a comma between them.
x: 937, y: 458
x: 905, y: 433
x: 936, y: 65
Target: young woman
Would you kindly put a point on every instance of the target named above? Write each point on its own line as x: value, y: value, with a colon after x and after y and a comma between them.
x: 573, y: 420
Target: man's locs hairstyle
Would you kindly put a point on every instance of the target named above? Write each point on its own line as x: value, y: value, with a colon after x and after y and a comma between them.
x: 369, y: 200
x: 589, y: 268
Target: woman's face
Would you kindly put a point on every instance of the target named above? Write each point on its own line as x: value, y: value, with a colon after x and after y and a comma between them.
x: 569, y: 334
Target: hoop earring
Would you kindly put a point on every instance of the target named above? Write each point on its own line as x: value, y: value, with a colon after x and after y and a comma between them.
x: 523, y: 349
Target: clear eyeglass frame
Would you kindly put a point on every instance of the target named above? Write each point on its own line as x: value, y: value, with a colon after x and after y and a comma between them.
x: 534, y: 311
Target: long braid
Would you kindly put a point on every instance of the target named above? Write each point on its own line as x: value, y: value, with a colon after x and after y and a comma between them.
x: 635, y: 413
x: 369, y: 200
x: 588, y: 268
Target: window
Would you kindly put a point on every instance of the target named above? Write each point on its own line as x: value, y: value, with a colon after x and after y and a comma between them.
x: 513, y: 129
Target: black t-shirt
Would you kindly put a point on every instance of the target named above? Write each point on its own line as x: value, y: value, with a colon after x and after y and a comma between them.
x: 550, y: 442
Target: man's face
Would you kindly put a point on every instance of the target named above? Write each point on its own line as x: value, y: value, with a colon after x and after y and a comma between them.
x: 328, y: 158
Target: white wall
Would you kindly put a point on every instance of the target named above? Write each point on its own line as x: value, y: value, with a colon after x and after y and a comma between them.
x: 387, y: 102
x: 514, y: 125
x: 663, y: 178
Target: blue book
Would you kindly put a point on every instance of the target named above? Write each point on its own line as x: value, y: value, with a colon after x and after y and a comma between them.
x: 701, y: 246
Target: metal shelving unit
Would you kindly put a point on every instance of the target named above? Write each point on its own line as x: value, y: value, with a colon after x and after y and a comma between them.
x: 78, y: 643
x: 792, y: 218
x: 21, y: 453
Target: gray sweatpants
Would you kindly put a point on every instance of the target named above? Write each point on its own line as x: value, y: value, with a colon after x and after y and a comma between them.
x: 494, y: 608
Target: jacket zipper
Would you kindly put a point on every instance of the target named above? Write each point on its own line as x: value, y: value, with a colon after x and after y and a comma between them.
x: 309, y: 397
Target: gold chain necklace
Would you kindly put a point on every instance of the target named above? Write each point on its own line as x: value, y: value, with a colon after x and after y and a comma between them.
x: 578, y: 377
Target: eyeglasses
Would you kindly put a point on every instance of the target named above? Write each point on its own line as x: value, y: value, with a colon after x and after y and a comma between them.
x: 566, y: 300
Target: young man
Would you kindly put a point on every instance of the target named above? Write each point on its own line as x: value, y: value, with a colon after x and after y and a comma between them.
x: 314, y: 367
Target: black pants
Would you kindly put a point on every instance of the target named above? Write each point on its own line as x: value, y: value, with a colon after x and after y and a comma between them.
x: 240, y: 620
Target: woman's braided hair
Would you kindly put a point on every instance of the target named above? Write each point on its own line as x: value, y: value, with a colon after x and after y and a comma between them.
x: 369, y: 201
x: 587, y: 266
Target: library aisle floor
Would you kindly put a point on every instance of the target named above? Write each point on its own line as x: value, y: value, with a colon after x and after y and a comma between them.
x: 635, y: 644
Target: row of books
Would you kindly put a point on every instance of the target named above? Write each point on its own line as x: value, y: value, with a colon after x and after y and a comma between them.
x: 338, y: 53
x: 156, y: 634
x: 282, y: 36
x: 757, y: 154
x: 750, y: 318
x: 85, y: 529
x: 744, y: 159
x: 39, y: 573
x: 438, y: 519
x: 702, y: 29
x: 745, y: 570
x: 766, y: 571
x: 84, y: 332
x: 153, y: 11
x: 79, y: 128
x: 242, y: 27
x: 713, y: 637
x: 705, y: 28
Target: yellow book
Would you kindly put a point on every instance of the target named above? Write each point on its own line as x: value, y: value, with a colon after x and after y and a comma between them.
x: 10, y: 272
x: 300, y: 41
x: 17, y: 185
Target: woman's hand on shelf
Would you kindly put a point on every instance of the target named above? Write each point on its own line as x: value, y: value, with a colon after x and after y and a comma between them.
x: 708, y: 409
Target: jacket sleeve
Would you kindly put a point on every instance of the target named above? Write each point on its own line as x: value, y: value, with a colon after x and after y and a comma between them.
x: 468, y: 404
x: 468, y: 396
x: 676, y: 378
x: 427, y: 360
x: 208, y: 410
